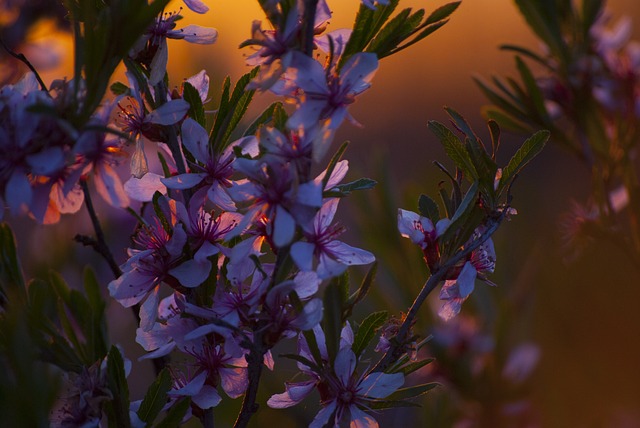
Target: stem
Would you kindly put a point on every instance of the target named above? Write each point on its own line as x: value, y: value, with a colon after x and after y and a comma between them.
x: 174, y: 146
x: 24, y: 59
x: 397, y: 348
x: 309, y: 22
x: 255, y: 360
x: 207, y: 419
x: 99, y: 244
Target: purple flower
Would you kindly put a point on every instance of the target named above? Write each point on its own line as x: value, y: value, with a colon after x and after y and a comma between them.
x: 327, y: 94
x: 421, y: 231
x: 100, y: 153
x: 158, y: 261
x: 333, y: 256
x: 153, y: 44
x: 287, y: 320
x: 274, y: 47
x: 349, y: 394
x: 455, y: 291
x: 211, y: 170
x: 295, y: 392
x: 135, y: 121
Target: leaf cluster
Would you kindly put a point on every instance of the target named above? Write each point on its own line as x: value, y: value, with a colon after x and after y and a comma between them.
x: 488, y: 187
x: 376, y: 31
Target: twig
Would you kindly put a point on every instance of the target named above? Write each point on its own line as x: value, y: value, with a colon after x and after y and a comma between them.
x: 397, y: 348
x: 24, y: 59
x: 255, y: 360
x: 99, y: 244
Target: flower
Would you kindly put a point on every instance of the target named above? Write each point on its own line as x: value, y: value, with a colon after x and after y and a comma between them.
x: 152, y: 48
x: 350, y: 394
x: 210, y: 170
x: 455, y: 291
x: 326, y: 94
x: 333, y: 256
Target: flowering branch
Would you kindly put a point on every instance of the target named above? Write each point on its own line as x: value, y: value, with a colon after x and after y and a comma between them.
x: 398, y: 347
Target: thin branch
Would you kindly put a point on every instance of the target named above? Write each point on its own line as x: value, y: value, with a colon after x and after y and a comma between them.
x: 99, y: 244
x: 255, y: 360
x: 24, y: 59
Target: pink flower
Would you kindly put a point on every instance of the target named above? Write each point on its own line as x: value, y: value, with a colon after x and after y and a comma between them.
x: 210, y: 170
x: 455, y: 291
x: 349, y: 393
x: 326, y: 94
x: 163, y: 29
x: 333, y: 256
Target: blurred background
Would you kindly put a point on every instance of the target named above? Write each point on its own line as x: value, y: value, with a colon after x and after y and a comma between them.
x: 582, y: 312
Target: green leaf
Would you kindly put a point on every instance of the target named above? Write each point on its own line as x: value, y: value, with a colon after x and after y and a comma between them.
x: 442, y: 12
x: 529, y: 150
x: 11, y: 278
x: 504, y: 120
x: 494, y: 130
x: 332, y: 163
x: 367, y: 24
x: 390, y: 404
x: 528, y: 53
x: 483, y: 164
x: 223, y: 111
x: 155, y: 398
x: 266, y: 117
x: 462, y: 213
x: 196, y: 109
x: 428, y: 208
x: 344, y: 189
x: 534, y: 92
x: 513, y: 105
x: 362, y: 291
x: 119, y: 88
x: 236, y: 108
x: 454, y: 149
x: 411, y: 367
x: 95, y: 328
x: 156, y: 201
x: 367, y: 330
x: 334, y: 301
x: 591, y: 10
x: 175, y: 414
x: 119, y: 406
x: 545, y: 25
x: 413, y: 391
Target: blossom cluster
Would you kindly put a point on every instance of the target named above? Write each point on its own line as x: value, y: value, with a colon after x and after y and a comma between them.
x: 237, y: 246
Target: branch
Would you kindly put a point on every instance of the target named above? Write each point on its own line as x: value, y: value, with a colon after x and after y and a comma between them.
x: 99, y: 244
x: 397, y: 348
x: 255, y: 360
x: 24, y: 59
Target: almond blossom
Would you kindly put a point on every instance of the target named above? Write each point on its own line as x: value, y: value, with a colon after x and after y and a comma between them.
x: 455, y: 291
x: 333, y: 256
x: 326, y: 94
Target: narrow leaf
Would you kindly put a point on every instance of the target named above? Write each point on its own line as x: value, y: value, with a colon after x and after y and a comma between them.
x: 523, y: 156
x: 155, y: 398
x: 428, y: 208
x: 367, y: 331
x: 454, y: 149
